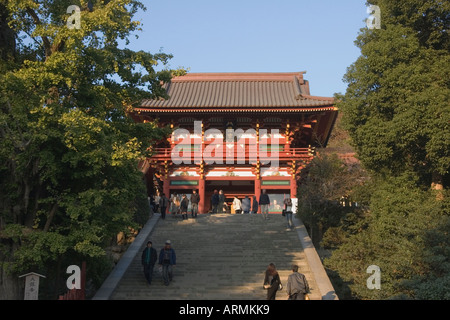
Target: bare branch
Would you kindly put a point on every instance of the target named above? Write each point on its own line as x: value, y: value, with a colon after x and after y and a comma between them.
x: 46, y: 41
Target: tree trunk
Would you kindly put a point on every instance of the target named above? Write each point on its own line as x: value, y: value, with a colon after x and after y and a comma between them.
x: 7, y: 36
x: 11, y: 287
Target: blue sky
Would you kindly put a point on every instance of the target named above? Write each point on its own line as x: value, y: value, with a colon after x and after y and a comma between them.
x: 257, y: 36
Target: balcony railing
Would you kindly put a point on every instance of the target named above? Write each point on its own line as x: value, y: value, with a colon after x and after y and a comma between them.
x: 227, y: 152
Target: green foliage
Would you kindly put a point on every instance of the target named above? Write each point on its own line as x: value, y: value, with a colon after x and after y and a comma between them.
x: 405, y: 237
x: 433, y: 282
x: 397, y: 115
x: 324, y: 184
x: 396, y: 104
x: 68, y: 147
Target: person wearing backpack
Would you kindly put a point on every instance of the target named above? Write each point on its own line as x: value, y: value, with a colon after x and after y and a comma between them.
x: 288, y: 210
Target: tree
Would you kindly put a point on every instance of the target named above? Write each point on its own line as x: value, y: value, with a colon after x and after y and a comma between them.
x: 324, y: 185
x: 406, y: 235
x: 396, y: 112
x: 68, y: 150
x: 396, y: 105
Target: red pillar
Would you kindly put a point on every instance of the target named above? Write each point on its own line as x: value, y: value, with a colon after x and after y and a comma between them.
x: 166, y: 187
x: 293, y: 188
x: 257, y: 191
x: 201, y: 193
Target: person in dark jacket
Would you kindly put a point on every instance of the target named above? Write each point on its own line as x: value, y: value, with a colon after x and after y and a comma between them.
x: 264, y: 203
x: 297, y: 286
x: 184, y: 207
x: 255, y: 205
x: 163, y: 204
x: 195, y: 199
x: 246, y: 205
x: 215, y: 201
x: 148, y: 259
x: 221, y: 202
x: 272, y: 281
x: 167, y: 260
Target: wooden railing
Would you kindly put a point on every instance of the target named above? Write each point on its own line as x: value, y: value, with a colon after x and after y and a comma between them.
x: 249, y: 154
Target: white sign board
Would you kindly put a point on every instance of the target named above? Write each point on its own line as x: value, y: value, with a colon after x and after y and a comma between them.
x: 31, y: 285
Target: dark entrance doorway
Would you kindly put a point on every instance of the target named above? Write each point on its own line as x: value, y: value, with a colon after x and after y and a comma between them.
x: 231, y: 188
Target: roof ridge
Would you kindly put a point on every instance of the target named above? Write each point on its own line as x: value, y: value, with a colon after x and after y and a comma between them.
x: 239, y: 76
x: 308, y: 96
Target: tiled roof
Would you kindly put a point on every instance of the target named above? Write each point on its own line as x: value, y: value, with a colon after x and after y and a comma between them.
x: 213, y: 91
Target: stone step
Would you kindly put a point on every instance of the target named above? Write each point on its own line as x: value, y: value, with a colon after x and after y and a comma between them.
x: 219, y: 257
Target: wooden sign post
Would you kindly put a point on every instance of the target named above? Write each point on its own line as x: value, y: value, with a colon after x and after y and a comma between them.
x: 31, y: 285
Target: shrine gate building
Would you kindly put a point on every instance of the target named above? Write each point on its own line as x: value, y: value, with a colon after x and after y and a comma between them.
x: 236, y: 132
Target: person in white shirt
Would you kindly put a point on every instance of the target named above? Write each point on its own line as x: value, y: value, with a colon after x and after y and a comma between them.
x: 237, y: 205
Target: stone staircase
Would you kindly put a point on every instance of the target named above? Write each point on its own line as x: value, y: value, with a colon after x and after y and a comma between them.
x: 219, y: 257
